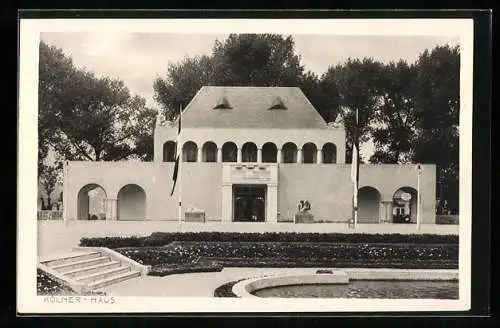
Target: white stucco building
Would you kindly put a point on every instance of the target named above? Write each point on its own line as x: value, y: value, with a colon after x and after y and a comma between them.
x: 249, y: 154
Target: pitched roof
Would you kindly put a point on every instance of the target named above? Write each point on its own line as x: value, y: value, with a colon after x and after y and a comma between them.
x: 251, y: 107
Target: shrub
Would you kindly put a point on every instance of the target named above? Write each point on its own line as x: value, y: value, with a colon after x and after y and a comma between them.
x: 166, y: 269
x: 165, y: 238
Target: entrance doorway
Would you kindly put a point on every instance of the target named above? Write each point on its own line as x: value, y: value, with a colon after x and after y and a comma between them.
x: 249, y: 203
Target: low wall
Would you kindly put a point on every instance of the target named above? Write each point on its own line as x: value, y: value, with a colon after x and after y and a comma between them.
x: 447, y: 219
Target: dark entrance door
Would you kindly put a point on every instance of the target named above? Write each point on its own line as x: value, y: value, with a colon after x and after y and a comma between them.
x: 249, y: 203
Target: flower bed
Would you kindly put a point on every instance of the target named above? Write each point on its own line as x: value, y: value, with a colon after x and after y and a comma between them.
x: 185, y: 255
x: 226, y: 290
x: 48, y: 286
x: 165, y: 238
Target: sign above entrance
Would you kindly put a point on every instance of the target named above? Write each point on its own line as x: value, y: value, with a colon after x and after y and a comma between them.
x: 405, y: 196
x: 250, y: 173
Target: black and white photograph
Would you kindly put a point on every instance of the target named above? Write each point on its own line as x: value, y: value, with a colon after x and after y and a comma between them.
x: 245, y: 165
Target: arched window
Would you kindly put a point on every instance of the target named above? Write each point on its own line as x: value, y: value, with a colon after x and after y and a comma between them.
x: 190, y: 152
x: 309, y: 152
x: 209, y: 152
x: 249, y: 152
x: 289, y: 153
x: 329, y: 153
x: 169, y: 151
x: 269, y: 152
x: 229, y: 152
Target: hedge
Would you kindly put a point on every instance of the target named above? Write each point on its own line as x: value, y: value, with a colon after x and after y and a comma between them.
x: 164, y: 238
x: 168, y: 269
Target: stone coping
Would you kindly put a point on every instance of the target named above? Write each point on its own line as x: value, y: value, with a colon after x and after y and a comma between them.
x: 245, y: 287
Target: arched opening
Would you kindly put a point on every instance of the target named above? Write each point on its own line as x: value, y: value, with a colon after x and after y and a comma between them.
x: 309, y: 152
x: 131, y: 203
x: 269, y: 153
x: 249, y: 152
x: 189, y: 152
x: 329, y: 152
x: 404, y: 205
x: 169, y: 151
x: 209, y: 152
x: 229, y: 152
x: 368, y: 205
x: 289, y: 153
x: 91, y: 202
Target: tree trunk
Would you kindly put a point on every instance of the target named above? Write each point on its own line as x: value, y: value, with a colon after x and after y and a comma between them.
x: 42, y: 207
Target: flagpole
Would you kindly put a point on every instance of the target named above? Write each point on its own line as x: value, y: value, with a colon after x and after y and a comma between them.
x: 356, y: 140
x: 180, y: 167
x: 418, y: 196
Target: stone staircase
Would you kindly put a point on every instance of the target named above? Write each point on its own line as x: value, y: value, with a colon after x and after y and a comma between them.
x: 87, y: 271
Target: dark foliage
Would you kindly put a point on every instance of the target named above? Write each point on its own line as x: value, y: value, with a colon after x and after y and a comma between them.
x: 203, y: 256
x: 226, y: 290
x: 48, y: 286
x: 165, y: 238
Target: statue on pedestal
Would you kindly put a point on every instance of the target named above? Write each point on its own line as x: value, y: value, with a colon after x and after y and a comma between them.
x: 338, y: 123
x: 159, y: 119
x: 303, y: 215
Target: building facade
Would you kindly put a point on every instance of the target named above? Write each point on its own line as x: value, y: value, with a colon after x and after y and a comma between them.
x: 249, y: 154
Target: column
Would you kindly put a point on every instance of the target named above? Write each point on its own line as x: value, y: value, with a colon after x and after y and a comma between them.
x: 219, y: 155
x: 389, y: 211
x: 227, y: 203
x: 111, y: 209
x: 299, y: 155
x: 259, y: 155
x: 238, y: 155
x: 200, y: 155
x: 319, y: 157
x: 278, y: 156
x: 272, y: 204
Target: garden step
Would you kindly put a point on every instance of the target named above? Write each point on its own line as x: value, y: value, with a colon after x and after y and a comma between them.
x: 92, y: 269
x: 103, y: 274
x: 69, y: 258
x: 114, y: 279
x: 63, y: 268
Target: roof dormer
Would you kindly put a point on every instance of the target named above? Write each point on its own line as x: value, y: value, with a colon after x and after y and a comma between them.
x: 277, y: 104
x: 222, y: 103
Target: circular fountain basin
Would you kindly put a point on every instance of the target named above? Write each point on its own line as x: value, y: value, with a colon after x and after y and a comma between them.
x: 246, y: 287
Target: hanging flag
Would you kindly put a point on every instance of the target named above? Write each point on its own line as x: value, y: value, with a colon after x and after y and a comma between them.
x: 178, y: 152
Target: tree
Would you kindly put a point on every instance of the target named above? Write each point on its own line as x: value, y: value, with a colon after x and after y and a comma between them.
x: 394, y: 130
x: 84, y: 117
x: 256, y: 60
x: 437, y: 105
x: 239, y: 60
x: 181, y: 83
x: 49, y: 177
x: 323, y: 95
x: 357, y: 84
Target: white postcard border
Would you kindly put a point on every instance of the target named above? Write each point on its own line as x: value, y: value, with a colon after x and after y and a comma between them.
x: 29, y: 302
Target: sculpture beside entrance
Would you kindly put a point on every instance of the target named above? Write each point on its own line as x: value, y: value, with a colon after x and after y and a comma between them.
x: 303, y: 215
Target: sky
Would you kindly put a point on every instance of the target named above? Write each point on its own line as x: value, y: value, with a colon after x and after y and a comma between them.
x: 139, y: 58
